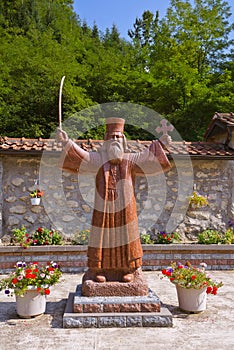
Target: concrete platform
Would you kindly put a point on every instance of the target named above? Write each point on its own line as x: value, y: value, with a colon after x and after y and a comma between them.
x: 211, y: 329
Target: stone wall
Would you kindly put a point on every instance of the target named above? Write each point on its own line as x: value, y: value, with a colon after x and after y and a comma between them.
x: 1, y: 197
x: 161, y: 201
x: 213, y: 178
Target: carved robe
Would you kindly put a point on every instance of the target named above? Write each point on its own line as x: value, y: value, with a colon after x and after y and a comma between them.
x: 114, y: 240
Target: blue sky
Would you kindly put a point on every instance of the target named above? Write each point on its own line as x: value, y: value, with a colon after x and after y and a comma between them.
x: 122, y: 13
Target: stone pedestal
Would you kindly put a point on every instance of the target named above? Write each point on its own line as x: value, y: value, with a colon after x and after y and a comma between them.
x: 113, y: 286
x: 115, y: 311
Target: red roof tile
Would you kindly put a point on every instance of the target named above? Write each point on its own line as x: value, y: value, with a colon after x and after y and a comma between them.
x: 37, y: 146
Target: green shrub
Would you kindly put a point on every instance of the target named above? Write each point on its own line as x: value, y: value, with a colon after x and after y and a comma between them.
x: 81, y: 237
x: 216, y: 237
x: 42, y: 236
x: 146, y: 239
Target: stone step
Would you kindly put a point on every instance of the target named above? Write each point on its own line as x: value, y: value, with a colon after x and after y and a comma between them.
x: 98, y: 304
x: 71, y: 319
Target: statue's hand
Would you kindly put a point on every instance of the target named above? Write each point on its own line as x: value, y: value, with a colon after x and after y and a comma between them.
x: 61, y: 136
x: 165, y: 140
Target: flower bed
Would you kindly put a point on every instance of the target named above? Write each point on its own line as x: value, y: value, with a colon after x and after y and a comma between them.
x: 72, y: 258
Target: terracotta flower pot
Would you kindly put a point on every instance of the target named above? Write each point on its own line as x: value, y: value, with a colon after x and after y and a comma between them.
x: 30, y: 304
x: 191, y: 300
x: 35, y: 201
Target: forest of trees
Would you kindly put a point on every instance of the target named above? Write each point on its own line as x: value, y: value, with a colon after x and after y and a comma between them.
x: 180, y: 65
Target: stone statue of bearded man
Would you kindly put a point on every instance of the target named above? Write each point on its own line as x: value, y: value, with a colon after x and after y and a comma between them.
x: 114, y: 249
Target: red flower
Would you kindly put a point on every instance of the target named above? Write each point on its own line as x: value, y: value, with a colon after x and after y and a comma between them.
x: 27, y: 271
x: 214, y: 291
x: 209, y: 290
x: 50, y: 269
x: 180, y: 267
x: 172, y: 279
x: 39, y: 229
x: 35, y: 263
x: 168, y: 238
x: 47, y: 291
x: 164, y: 271
x: 168, y: 273
x: 14, y: 281
x: 38, y: 289
x: 35, y: 270
x: 193, y: 277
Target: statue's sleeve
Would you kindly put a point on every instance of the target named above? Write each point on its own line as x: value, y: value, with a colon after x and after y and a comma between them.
x: 151, y: 161
x: 74, y: 159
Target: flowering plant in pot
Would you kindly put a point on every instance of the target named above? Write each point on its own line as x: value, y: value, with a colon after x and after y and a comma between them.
x: 31, y: 275
x: 191, y: 280
x: 31, y: 284
x: 197, y: 201
x: 36, y: 196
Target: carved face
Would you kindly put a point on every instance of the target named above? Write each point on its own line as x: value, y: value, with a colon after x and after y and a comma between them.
x: 114, y: 147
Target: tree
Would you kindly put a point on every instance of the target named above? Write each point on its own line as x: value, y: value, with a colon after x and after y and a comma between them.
x: 185, y: 51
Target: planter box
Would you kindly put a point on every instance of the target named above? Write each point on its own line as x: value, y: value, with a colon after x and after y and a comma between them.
x: 72, y: 258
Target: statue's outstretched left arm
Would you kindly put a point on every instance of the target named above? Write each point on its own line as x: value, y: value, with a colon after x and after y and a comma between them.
x: 152, y: 160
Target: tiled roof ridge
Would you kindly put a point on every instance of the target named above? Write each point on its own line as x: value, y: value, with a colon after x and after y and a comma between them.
x: 88, y: 141
x: 176, y: 148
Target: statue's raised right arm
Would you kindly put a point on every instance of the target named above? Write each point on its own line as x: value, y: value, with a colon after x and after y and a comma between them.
x: 72, y: 155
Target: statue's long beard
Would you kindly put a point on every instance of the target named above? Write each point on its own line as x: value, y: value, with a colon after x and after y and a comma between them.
x: 115, y: 152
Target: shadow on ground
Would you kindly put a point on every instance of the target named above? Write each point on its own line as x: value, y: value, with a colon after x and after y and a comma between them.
x: 56, y: 311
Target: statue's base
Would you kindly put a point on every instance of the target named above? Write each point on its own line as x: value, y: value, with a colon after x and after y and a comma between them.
x: 115, y: 311
x: 114, y: 286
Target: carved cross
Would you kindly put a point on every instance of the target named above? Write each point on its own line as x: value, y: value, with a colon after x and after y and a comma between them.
x: 164, y: 128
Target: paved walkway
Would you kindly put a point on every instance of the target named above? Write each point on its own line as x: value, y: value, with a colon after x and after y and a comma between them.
x: 212, y: 329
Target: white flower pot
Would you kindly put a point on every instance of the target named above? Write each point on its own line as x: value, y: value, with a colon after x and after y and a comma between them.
x: 30, y: 304
x: 191, y: 300
x: 35, y: 201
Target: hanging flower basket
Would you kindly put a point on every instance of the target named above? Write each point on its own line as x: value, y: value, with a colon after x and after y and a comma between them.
x: 36, y: 197
x: 35, y: 201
